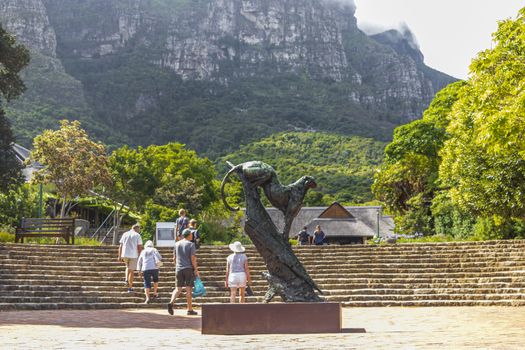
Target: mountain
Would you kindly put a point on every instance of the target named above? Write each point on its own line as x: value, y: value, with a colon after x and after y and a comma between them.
x: 212, y: 74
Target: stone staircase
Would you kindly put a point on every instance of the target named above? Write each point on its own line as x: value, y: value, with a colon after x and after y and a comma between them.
x: 439, y: 274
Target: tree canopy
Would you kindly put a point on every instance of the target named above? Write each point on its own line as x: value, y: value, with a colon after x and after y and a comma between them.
x: 461, y: 169
x: 10, y: 167
x: 170, y: 175
x: 484, y: 159
x: 13, y: 57
x: 159, y: 180
x: 72, y: 162
x: 343, y: 166
x: 408, y: 179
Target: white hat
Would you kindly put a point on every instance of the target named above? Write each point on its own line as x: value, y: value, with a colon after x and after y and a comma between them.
x: 148, y: 244
x: 237, y: 247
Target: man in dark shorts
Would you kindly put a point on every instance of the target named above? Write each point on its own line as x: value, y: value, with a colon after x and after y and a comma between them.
x: 185, y: 269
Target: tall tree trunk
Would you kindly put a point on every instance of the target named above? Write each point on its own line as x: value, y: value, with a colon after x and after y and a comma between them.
x: 63, y: 209
x: 55, y: 204
x: 70, y: 205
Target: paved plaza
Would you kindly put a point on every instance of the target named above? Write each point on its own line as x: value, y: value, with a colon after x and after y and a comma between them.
x: 363, y: 328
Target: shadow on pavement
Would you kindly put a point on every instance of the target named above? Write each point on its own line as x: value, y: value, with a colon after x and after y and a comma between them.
x: 101, y: 319
x: 353, y: 330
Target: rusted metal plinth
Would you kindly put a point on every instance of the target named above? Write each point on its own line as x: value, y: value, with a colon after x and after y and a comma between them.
x: 271, y: 318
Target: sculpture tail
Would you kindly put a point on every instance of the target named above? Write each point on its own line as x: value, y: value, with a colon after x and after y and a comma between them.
x: 223, y: 183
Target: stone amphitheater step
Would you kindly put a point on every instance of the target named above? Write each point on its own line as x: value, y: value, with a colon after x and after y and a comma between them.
x: 470, y: 273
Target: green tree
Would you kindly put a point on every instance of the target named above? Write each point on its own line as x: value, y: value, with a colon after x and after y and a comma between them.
x: 484, y: 159
x: 408, y: 180
x: 181, y: 192
x: 473, y: 134
x: 158, y: 180
x: 10, y: 167
x: 343, y: 166
x: 133, y: 180
x: 173, y: 166
x: 13, y: 58
x: 170, y: 175
x: 72, y: 162
x: 18, y: 202
x: 449, y: 218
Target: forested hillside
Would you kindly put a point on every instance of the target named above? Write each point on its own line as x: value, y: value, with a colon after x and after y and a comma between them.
x: 212, y: 74
x: 343, y: 166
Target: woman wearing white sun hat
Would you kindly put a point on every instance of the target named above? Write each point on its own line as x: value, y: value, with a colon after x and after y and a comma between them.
x: 148, y: 264
x: 237, y: 272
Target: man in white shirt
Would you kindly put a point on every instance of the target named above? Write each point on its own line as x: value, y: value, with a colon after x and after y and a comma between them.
x: 128, y: 251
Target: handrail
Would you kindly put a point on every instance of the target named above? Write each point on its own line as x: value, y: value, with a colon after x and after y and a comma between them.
x: 107, y: 233
x: 102, y: 224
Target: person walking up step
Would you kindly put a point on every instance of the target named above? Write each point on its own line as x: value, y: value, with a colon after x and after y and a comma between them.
x: 148, y: 264
x: 195, y: 232
x: 128, y: 252
x: 184, y: 256
x: 181, y: 224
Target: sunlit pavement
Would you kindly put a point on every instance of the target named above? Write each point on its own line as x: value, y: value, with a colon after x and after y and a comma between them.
x: 363, y: 328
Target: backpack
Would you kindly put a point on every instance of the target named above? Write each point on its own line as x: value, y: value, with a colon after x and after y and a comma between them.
x: 183, y: 223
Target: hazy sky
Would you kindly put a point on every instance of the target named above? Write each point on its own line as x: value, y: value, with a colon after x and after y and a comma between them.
x: 449, y: 32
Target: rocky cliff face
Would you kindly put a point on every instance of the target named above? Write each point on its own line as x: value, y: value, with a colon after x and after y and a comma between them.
x: 51, y: 93
x: 208, y: 38
x: 28, y: 20
x: 159, y: 62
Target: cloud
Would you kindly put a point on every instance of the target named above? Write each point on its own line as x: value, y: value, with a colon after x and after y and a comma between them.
x: 402, y: 28
x: 408, y: 35
x: 350, y: 3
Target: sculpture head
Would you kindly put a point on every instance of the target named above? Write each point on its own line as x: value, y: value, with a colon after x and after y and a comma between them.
x: 309, y: 182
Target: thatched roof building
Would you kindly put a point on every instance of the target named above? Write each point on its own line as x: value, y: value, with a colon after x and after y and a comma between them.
x: 341, y: 224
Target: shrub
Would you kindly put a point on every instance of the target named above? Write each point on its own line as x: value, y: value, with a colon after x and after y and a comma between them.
x: 6, y: 237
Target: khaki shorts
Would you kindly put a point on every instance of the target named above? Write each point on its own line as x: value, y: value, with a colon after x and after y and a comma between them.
x: 131, y: 263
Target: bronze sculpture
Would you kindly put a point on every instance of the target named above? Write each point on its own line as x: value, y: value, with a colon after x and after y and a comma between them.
x: 286, y: 275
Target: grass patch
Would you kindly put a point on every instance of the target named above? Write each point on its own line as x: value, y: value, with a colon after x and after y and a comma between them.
x: 424, y: 239
x: 6, y: 237
x: 429, y: 239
